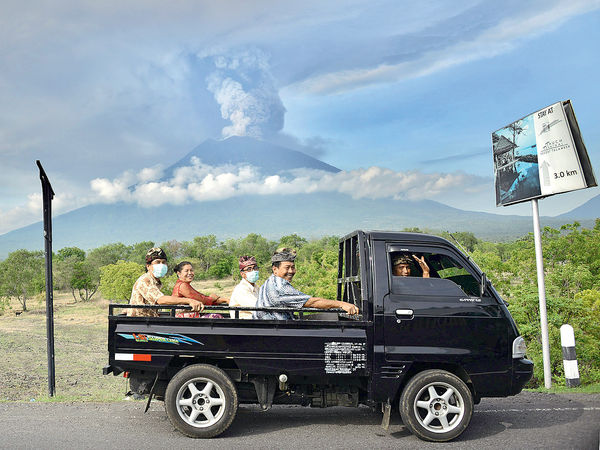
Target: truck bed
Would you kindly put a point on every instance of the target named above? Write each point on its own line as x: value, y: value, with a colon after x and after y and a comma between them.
x: 267, y: 347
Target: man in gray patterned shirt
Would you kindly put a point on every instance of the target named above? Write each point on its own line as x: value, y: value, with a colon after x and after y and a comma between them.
x: 277, y: 291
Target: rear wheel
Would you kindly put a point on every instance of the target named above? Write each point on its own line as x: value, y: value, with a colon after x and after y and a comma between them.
x: 201, y: 401
x: 436, y: 405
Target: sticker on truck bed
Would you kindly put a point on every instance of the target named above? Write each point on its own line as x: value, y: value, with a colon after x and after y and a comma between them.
x: 345, y: 357
x: 166, y: 338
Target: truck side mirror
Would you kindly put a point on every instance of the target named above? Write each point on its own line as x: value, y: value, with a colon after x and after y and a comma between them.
x: 484, y: 283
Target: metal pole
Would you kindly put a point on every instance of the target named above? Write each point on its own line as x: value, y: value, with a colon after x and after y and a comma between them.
x: 48, y: 195
x: 539, y: 259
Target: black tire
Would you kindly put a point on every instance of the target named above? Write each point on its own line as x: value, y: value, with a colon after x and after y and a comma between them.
x: 201, y: 401
x: 436, y: 405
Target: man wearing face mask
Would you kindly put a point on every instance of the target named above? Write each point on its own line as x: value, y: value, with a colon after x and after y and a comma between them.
x: 146, y: 290
x: 246, y: 292
x: 278, y: 292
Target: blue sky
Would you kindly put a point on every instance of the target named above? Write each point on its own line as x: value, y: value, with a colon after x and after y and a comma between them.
x: 104, y: 93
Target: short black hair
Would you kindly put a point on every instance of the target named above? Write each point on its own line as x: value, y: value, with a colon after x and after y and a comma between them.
x: 179, y: 267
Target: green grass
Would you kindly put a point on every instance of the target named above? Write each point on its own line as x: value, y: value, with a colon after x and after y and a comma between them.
x: 559, y: 389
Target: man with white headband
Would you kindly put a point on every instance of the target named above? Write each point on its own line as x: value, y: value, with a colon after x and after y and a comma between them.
x: 246, y: 292
x: 278, y: 292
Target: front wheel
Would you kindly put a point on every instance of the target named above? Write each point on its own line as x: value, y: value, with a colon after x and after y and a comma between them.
x: 201, y: 401
x: 436, y: 405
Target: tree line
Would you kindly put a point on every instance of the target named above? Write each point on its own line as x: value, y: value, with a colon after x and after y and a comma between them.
x: 111, y: 268
x: 571, y: 263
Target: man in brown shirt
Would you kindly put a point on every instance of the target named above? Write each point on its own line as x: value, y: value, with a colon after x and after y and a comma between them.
x: 146, y: 290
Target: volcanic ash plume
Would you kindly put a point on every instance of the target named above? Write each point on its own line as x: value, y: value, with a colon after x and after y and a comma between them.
x: 244, y: 88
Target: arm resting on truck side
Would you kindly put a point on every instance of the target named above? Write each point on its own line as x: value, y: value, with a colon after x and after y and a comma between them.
x: 187, y: 291
x: 170, y: 300
x: 322, y: 303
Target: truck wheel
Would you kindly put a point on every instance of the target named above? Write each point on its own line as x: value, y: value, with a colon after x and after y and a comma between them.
x: 201, y: 401
x: 436, y: 405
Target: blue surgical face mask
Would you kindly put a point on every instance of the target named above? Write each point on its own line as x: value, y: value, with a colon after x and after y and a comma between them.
x: 252, y: 277
x: 159, y: 270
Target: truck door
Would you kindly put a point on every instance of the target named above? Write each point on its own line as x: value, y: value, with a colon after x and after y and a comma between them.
x: 442, y: 319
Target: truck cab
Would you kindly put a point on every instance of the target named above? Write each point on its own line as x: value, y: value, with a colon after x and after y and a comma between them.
x: 453, y: 319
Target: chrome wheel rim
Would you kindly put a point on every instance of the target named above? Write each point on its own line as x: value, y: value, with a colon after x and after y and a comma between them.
x: 439, y: 407
x: 201, y: 402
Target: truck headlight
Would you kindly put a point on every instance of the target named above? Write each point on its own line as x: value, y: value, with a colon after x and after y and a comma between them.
x: 519, y: 348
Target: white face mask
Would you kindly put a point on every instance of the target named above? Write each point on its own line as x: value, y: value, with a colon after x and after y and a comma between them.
x: 252, y: 277
x: 159, y: 270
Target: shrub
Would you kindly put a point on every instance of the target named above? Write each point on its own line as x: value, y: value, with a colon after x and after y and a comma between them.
x: 116, y: 280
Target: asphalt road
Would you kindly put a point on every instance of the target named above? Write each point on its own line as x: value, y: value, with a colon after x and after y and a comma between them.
x: 529, y: 420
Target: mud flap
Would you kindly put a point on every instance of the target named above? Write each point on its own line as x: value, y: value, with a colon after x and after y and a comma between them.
x: 265, y: 391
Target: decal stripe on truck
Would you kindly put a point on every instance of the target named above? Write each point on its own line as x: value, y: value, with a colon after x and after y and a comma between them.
x: 132, y: 357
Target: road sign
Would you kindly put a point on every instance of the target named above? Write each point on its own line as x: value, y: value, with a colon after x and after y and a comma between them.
x: 539, y: 155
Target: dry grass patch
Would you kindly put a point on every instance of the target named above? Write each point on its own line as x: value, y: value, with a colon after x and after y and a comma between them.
x: 80, y: 352
x: 223, y: 287
x: 80, y: 348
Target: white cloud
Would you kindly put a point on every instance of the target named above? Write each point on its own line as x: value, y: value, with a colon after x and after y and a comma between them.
x: 157, y: 194
x: 150, y: 174
x: 198, y: 183
x: 501, y: 38
x: 205, y: 183
x: 110, y: 191
x: 32, y: 211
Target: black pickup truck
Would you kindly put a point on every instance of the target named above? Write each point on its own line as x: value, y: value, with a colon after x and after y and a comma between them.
x: 432, y: 346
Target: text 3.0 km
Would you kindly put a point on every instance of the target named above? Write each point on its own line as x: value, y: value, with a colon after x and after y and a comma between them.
x: 566, y: 173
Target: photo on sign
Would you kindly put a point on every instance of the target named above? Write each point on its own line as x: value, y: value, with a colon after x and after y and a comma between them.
x: 516, y: 170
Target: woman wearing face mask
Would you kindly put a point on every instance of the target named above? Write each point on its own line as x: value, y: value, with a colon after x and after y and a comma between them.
x: 146, y: 290
x: 246, y: 292
x: 183, y: 288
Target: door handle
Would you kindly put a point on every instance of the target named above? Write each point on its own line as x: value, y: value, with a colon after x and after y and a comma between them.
x: 405, y: 313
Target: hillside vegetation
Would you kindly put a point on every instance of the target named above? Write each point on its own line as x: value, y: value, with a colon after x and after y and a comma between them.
x: 106, y: 273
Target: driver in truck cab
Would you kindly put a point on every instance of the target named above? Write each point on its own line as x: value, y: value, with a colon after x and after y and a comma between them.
x: 401, y: 265
x: 146, y: 290
x: 278, y: 292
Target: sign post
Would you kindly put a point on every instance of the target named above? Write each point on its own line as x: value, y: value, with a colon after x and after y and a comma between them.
x: 48, y: 195
x: 539, y: 155
x: 539, y: 260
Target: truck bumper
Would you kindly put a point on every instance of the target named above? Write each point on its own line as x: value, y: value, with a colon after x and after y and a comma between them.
x: 522, y: 373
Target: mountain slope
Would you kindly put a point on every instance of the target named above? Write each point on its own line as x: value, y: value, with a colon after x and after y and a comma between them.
x: 589, y: 210
x: 309, y: 215
x: 270, y: 158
